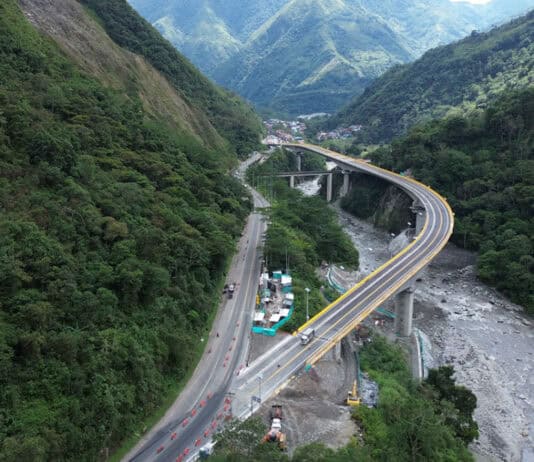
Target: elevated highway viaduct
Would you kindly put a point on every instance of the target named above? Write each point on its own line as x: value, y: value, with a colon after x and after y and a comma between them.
x: 270, y: 372
x: 434, y: 228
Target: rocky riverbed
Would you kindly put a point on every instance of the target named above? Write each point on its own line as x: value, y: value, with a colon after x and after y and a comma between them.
x: 488, y: 339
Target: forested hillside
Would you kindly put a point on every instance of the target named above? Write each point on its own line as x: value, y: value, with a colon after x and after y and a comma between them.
x: 228, y: 113
x: 302, y: 56
x: 114, y: 234
x: 484, y: 165
x: 461, y: 77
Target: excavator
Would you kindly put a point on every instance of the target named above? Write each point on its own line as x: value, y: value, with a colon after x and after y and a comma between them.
x: 352, y: 397
x: 275, y: 435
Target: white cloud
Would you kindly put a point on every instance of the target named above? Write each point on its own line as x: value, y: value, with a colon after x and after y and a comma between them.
x: 473, y: 2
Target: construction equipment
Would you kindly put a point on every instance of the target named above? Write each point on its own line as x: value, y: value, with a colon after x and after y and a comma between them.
x: 276, y: 412
x: 275, y: 434
x: 352, y: 397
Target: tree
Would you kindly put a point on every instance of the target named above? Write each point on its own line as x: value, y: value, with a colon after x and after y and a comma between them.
x: 464, y: 402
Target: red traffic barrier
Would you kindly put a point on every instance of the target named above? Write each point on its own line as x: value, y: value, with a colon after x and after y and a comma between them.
x: 230, y: 349
x: 227, y: 400
x: 214, y: 424
x: 197, y: 442
x: 202, y: 403
x: 160, y: 449
x: 227, y: 358
x: 173, y: 436
x: 206, y: 432
x: 219, y: 416
x: 193, y: 412
x: 185, y: 422
x: 226, y: 407
x: 180, y: 458
x: 210, y: 395
x: 186, y: 451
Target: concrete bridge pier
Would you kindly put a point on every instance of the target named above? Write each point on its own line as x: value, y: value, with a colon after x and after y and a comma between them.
x: 346, y: 183
x: 299, y: 162
x: 337, y: 352
x: 291, y: 181
x: 404, y: 312
x: 329, y: 181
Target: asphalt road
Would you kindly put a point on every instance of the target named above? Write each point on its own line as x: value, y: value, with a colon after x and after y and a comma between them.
x: 335, y: 322
x: 217, y: 373
x: 200, y: 408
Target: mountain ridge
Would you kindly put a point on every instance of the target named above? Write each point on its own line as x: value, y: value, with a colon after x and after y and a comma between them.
x: 458, y: 77
x: 324, y: 65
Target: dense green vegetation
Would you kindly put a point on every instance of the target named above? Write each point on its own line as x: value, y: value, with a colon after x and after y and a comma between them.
x: 459, y: 77
x: 484, y: 165
x: 308, y: 56
x: 232, y: 118
x: 414, y: 422
x: 428, y: 422
x: 114, y: 234
x: 303, y: 232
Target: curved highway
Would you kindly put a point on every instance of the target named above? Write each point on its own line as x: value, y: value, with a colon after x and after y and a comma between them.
x: 268, y: 374
x: 339, y: 318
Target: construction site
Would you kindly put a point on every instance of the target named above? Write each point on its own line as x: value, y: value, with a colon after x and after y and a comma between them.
x: 317, y: 404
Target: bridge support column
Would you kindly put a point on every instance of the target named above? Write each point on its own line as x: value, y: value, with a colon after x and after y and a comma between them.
x: 337, y: 352
x: 346, y: 184
x: 404, y: 312
x: 299, y: 163
x: 329, y: 181
x: 291, y: 181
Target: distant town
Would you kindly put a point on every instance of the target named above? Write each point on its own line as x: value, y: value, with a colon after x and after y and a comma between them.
x: 279, y: 131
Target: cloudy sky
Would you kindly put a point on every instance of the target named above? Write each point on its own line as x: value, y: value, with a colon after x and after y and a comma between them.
x: 474, y: 2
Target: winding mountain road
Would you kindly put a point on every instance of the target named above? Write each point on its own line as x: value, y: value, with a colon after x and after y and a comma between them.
x: 223, y: 372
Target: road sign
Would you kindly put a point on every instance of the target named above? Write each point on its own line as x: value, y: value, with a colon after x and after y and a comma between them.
x: 257, y: 399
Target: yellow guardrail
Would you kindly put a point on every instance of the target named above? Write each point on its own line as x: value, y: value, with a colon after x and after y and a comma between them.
x: 352, y: 161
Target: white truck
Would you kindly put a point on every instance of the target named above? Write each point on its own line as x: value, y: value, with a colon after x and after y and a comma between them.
x: 307, y: 335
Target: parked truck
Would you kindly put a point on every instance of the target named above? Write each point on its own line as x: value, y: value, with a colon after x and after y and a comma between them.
x: 307, y: 335
x: 231, y: 289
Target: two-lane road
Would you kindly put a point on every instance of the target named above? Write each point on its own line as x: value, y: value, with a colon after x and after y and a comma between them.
x: 197, y: 412
x: 271, y: 371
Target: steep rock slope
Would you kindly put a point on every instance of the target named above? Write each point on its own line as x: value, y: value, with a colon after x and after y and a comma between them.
x: 116, y: 222
x: 460, y: 76
x: 87, y: 43
x: 232, y: 118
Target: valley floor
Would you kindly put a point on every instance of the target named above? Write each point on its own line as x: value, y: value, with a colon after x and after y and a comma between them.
x: 488, y: 339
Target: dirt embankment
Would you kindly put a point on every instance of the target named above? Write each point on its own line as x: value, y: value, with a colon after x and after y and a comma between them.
x: 87, y: 44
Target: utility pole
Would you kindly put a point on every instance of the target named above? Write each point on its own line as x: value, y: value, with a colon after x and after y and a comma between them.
x: 307, y: 307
